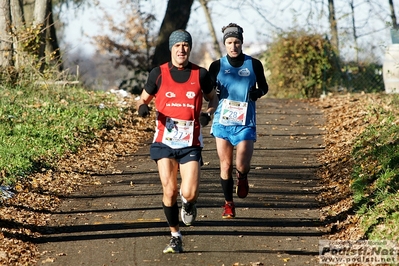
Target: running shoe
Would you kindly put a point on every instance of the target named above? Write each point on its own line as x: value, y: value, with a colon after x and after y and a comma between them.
x: 188, y: 213
x: 175, y: 245
x: 242, y: 187
x: 229, y: 210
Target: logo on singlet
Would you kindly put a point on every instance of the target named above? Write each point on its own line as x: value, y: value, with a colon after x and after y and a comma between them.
x: 170, y: 94
x: 244, y: 72
x: 190, y: 94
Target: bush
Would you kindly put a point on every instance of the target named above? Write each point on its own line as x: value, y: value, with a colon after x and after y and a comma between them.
x: 300, y: 64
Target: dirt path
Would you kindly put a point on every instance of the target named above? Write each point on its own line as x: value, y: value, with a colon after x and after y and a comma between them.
x: 121, y: 222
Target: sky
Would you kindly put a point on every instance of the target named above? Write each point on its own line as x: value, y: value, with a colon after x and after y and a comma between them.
x: 86, y: 23
x: 277, y: 14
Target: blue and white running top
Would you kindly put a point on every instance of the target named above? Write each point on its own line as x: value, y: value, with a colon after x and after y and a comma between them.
x: 234, y: 83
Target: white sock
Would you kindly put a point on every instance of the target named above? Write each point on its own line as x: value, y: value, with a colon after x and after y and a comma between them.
x: 177, y: 234
x: 183, y: 199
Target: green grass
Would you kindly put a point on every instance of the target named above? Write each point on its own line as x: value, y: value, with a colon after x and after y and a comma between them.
x: 375, y: 183
x: 40, y: 123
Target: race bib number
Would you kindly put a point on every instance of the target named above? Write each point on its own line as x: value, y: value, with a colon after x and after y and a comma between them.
x: 233, y: 113
x: 178, y: 133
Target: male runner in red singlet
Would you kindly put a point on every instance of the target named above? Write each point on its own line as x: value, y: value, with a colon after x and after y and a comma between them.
x: 178, y: 87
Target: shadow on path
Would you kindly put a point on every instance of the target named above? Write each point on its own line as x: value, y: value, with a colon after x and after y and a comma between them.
x: 121, y: 222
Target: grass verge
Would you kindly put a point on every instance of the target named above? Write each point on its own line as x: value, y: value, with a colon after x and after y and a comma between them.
x: 375, y: 177
x: 40, y: 123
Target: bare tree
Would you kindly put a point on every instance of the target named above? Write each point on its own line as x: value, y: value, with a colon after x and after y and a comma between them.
x: 333, y: 26
x: 43, y: 19
x: 354, y: 32
x: 5, y: 36
x: 18, y: 22
x: 130, y: 40
x: 52, y: 46
x: 130, y: 44
x: 216, y: 46
x: 14, y: 22
x: 17, y: 14
x: 39, y: 21
x: 393, y: 15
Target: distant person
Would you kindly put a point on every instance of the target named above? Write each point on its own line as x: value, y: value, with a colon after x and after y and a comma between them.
x: 240, y: 81
x: 178, y: 87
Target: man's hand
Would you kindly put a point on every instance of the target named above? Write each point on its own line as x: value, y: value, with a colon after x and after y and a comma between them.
x: 143, y: 110
x: 255, y: 94
x: 204, y: 118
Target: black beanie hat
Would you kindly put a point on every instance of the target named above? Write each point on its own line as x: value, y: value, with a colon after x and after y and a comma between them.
x: 232, y: 30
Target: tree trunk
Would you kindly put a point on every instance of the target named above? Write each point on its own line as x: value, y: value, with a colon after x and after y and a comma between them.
x: 176, y: 17
x: 40, y: 12
x: 393, y: 16
x: 216, y: 46
x: 5, y: 36
x: 17, y: 14
x: 352, y: 6
x: 39, y: 21
x: 18, y: 22
x: 333, y: 26
x: 52, y: 46
x: 28, y: 9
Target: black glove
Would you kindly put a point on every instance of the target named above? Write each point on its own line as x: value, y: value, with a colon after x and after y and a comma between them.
x: 143, y: 110
x: 204, y: 119
x: 255, y: 94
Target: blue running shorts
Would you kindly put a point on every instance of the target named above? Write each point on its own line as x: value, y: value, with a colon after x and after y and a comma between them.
x: 159, y: 150
x: 234, y: 134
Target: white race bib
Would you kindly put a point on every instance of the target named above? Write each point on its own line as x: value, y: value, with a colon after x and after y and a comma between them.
x: 178, y: 133
x: 233, y: 113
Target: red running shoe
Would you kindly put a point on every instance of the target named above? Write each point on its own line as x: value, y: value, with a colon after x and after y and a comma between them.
x: 229, y: 211
x: 242, y: 187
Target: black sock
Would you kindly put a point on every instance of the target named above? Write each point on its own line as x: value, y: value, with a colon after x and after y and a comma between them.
x: 241, y: 175
x: 227, y: 186
x: 172, y: 214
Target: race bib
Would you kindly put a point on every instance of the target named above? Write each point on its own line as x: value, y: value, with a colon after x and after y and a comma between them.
x: 233, y: 113
x: 178, y: 133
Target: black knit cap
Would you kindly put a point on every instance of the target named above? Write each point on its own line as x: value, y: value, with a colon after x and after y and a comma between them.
x: 179, y: 36
x: 232, y: 30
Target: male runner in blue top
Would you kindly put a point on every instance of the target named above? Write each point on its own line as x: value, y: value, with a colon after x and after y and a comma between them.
x: 239, y: 80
